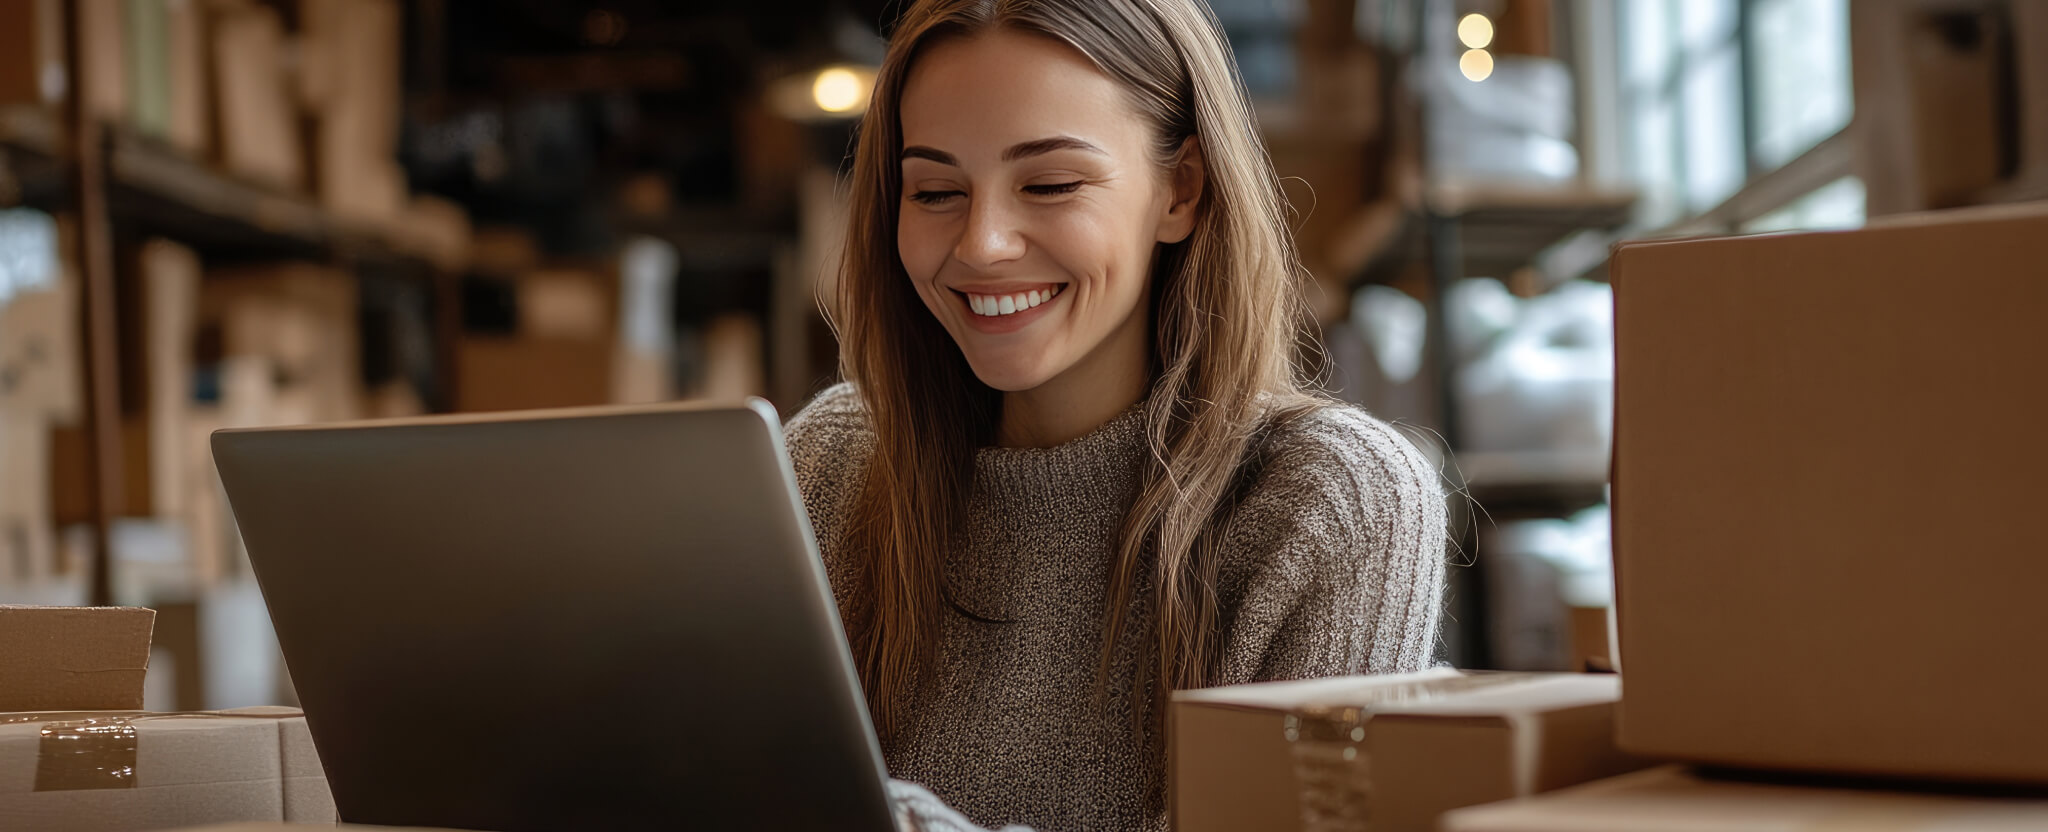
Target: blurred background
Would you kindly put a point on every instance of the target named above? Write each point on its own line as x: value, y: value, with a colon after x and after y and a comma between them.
x: 225, y: 213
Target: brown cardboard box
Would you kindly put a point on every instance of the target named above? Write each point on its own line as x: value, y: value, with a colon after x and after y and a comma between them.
x: 122, y: 770
x: 103, y: 23
x: 1420, y: 744
x: 439, y: 230
x: 259, y: 132
x: 28, y: 49
x: 70, y: 490
x: 186, y: 45
x: 169, y: 290
x: 73, y: 658
x: 352, y: 78
x: 76, y: 753
x: 1958, y: 98
x: 2030, y: 45
x: 567, y: 304
x: 1826, y: 468
x: 1672, y: 798
x: 523, y: 373
x: 302, y: 318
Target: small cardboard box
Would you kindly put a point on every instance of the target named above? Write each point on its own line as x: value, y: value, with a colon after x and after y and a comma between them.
x: 78, y: 754
x: 73, y: 658
x: 1675, y: 799
x: 1826, y: 475
x: 1419, y: 744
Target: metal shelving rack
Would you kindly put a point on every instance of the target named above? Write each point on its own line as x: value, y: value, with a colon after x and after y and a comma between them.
x: 115, y: 183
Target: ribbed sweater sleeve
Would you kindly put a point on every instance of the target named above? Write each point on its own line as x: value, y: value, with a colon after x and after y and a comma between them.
x: 1337, y: 554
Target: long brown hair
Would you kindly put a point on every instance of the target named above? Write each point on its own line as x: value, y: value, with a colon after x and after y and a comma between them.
x: 1226, y: 313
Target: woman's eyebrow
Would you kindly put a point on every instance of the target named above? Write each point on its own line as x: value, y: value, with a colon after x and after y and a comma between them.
x: 918, y: 151
x: 1020, y: 150
x: 1038, y: 147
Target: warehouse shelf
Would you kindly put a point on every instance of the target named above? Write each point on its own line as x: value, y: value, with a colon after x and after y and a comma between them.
x: 1542, y: 482
x: 157, y: 190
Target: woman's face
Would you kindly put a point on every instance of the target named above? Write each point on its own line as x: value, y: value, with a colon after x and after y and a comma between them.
x: 1032, y: 207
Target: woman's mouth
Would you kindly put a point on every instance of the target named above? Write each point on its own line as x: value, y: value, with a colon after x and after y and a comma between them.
x: 994, y: 306
x: 1000, y: 313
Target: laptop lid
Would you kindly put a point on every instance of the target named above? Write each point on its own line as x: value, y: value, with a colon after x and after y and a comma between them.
x: 598, y: 618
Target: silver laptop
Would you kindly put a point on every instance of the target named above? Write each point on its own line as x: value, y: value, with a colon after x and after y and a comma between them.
x: 587, y: 619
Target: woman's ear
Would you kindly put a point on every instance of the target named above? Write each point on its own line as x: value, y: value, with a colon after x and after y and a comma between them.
x: 1187, y: 179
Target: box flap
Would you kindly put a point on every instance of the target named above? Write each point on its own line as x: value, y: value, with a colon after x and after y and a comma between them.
x: 1342, y: 690
x: 73, y: 658
x: 1530, y: 694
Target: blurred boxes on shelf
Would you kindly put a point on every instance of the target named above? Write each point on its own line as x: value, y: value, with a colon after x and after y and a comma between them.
x: 259, y: 129
x: 1819, y: 567
x: 1672, y: 797
x: 77, y: 753
x: 572, y: 304
x: 31, y: 52
x: 300, y: 318
x: 39, y: 365
x: 519, y: 373
x: 437, y: 230
x: 1399, y: 749
x: 1958, y: 60
x: 350, y: 84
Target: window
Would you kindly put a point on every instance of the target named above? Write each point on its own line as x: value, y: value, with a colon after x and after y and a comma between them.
x: 1838, y: 204
x: 1715, y: 92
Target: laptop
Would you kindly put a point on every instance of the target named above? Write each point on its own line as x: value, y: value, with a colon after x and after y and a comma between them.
x: 610, y: 618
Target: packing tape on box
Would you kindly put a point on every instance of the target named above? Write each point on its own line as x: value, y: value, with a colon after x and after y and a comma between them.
x: 1327, y: 743
x: 96, y: 749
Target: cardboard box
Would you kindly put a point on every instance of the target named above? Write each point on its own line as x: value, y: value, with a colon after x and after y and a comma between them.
x: 1959, y: 96
x: 494, y: 374
x: 189, y: 124
x: 1417, y: 745
x: 29, y: 50
x: 438, y: 230
x: 169, y: 295
x: 303, y: 319
x: 259, y: 129
x: 2030, y: 46
x: 1673, y: 798
x: 122, y: 770
x: 103, y: 24
x: 73, y: 658
x: 76, y: 753
x: 351, y: 82
x: 1826, y: 470
x: 567, y: 304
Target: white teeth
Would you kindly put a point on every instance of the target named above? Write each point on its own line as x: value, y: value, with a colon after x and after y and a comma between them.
x: 995, y: 305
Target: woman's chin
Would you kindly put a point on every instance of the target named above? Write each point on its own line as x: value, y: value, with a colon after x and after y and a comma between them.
x: 1009, y: 376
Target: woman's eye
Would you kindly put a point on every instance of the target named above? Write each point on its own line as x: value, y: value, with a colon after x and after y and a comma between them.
x: 1051, y: 190
x: 933, y: 197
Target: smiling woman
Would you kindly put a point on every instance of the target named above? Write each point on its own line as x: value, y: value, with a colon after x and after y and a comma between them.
x: 1075, y: 466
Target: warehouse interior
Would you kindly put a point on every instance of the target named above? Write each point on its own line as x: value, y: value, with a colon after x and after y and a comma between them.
x: 254, y: 213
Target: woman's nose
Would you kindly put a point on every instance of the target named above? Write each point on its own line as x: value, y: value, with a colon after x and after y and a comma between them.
x: 990, y: 237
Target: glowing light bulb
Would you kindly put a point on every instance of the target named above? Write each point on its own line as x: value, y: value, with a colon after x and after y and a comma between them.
x: 1477, y: 64
x: 1475, y: 31
x: 837, y: 90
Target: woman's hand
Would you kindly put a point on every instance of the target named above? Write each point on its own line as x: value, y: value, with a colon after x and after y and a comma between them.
x: 918, y: 810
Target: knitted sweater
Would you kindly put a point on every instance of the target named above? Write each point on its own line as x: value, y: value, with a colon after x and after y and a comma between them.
x: 1334, y: 565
